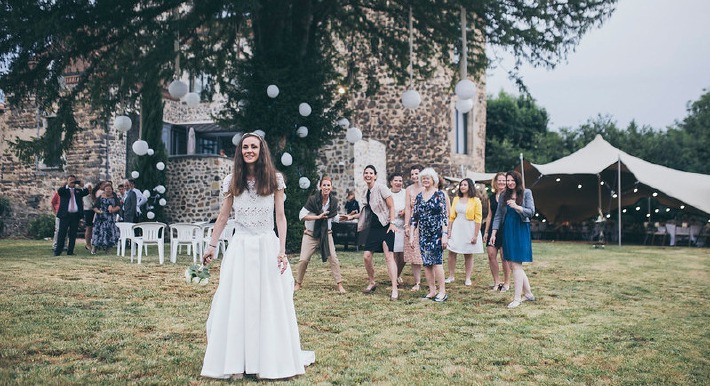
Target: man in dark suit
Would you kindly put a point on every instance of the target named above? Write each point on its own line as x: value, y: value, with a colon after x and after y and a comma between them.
x: 70, y: 211
x: 129, y: 202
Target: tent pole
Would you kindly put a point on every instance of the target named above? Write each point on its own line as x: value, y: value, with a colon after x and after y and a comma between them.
x: 618, y: 188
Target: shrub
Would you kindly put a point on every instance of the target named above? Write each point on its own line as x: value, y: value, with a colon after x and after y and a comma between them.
x: 5, y: 211
x: 42, y: 226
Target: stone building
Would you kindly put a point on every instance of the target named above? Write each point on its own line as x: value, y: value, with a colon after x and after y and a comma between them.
x: 434, y: 135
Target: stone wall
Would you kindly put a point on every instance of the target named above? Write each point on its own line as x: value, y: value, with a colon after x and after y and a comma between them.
x: 424, y: 136
x: 194, y: 187
x: 98, y: 154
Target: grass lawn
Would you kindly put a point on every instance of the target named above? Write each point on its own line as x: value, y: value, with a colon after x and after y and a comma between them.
x: 629, y: 315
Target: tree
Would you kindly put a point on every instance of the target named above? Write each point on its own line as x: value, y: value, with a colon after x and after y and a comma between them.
x: 514, y: 125
x: 307, y: 47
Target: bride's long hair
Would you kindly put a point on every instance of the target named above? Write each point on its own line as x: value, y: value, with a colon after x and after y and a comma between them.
x: 264, y: 170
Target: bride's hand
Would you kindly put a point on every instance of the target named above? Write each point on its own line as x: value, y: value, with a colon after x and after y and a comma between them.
x: 208, y: 256
x: 283, y: 262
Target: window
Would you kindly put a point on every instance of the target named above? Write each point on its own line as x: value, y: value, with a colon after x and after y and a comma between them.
x: 54, y: 150
x: 461, y: 133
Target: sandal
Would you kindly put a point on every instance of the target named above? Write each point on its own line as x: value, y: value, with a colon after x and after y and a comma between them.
x: 369, y: 289
x: 415, y: 288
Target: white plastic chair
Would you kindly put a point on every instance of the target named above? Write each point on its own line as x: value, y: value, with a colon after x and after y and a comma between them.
x: 125, y: 234
x: 153, y: 233
x: 184, y: 234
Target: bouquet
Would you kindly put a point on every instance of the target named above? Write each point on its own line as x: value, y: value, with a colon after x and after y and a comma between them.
x: 198, y: 274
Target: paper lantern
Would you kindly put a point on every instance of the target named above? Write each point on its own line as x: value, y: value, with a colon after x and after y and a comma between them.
x: 162, y: 202
x: 160, y: 189
x: 192, y: 99
x: 344, y: 123
x: 160, y: 166
x: 304, y: 182
x: 150, y: 215
x: 304, y: 109
x: 411, y: 99
x: 135, y: 174
x: 272, y: 91
x: 146, y: 193
x: 464, y: 105
x: 286, y: 159
x: 260, y: 133
x: 122, y: 123
x: 177, y: 89
x: 353, y: 135
x: 140, y: 147
x: 302, y: 131
x: 151, y: 151
x: 237, y: 137
x: 465, y: 89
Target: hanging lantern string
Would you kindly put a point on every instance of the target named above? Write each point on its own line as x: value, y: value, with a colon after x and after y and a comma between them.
x: 411, y: 47
x: 177, y: 57
x: 464, y: 46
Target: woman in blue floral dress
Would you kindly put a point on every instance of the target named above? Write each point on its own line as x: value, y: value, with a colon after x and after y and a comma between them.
x: 430, y: 215
x: 105, y: 234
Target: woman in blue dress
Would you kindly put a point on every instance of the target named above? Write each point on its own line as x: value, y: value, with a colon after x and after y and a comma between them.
x: 515, y: 225
x: 105, y: 233
x: 430, y: 215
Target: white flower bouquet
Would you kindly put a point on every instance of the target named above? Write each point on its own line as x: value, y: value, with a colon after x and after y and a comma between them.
x: 198, y: 274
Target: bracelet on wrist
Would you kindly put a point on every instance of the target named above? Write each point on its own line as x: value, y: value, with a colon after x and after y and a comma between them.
x: 213, y: 246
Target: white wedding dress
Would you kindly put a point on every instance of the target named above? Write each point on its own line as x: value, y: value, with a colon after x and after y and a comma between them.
x: 252, y: 325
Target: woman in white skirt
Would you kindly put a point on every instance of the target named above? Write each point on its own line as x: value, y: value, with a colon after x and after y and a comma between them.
x: 399, y: 198
x: 465, y: 228
x: 251, y: 328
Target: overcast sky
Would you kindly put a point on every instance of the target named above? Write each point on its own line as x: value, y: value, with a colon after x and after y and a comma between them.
x: 645, y: 63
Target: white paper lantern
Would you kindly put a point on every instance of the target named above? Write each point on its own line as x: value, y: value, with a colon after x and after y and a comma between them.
x: 146, y: 193
x: 411, y: 99
x: 353, y: 135
x: 304, y: 109
x: 150, y: 215
x: 464, y: 105
x: 177, y: 89
x: 160, y: 189
x: 162, y: 202
x: 151, y: 151
x: 160, y: 166
x: 192, y: 99
x: 122, y: 123
x: 260, y: 133
x: 140, y: 147
x: 344, y: 123
x: 286, y: 159
x: 304, y: 182
x: 302, y: 131
x: 465, y: 89
x: 237, y: 137
x: 272, y: 91
x: 135, y: 174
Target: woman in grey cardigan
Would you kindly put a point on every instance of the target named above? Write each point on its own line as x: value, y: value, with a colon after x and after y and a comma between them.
x: 515, y: 225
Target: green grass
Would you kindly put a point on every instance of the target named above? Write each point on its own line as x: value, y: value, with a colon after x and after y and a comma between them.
x: 629, y: 315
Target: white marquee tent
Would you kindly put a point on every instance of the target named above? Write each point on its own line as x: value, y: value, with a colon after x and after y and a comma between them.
x: 586, y: 184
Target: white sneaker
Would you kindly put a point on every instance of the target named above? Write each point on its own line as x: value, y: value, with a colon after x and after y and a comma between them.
x: 449, y: 279
x: 467, y: 282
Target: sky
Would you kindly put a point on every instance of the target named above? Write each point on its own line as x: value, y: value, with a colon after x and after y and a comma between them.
x: 645, y: 63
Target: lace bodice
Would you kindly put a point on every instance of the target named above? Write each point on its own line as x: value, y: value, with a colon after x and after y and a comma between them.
x: 253, y: 213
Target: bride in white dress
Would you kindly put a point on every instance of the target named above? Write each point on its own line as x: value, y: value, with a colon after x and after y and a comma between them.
x: 251, y: 328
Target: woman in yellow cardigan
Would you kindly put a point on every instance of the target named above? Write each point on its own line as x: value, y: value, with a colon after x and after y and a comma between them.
x: 465, y: 228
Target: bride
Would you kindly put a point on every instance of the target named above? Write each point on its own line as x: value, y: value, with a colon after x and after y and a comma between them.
x: 251, y: 328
